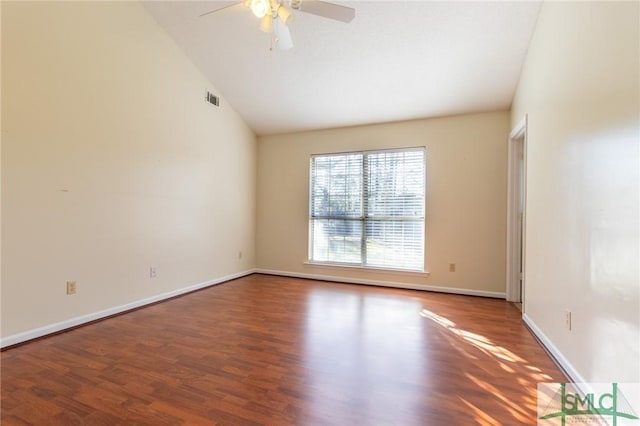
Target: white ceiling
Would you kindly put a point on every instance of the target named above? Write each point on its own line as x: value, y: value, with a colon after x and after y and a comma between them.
x: 397, y: 60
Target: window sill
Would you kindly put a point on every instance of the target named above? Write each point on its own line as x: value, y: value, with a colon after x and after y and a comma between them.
x: 367, y: 268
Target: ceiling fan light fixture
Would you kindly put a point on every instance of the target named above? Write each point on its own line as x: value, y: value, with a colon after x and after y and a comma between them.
x: 285, y: 14
x: 266, y: 23
x: 260, y: 8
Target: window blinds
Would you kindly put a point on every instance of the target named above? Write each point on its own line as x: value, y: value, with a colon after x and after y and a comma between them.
x: 367, y: 209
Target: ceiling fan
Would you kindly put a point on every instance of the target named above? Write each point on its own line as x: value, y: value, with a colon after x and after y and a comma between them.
x: 275, y: 15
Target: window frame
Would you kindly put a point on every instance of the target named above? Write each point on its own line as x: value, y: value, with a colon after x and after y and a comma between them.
x: 364, y: 218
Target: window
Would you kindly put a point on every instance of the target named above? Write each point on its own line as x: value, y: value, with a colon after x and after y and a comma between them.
x: 367, y: 209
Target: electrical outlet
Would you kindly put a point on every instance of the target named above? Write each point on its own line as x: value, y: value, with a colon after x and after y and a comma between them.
x: 71, y: 287
x: 567, y: 319
x: 153, y: 271
x: 452, y: 267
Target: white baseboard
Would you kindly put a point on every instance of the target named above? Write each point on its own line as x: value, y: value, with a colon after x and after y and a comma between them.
x: 74, y: 322
x: 393, y: 284
x: 563, y: 362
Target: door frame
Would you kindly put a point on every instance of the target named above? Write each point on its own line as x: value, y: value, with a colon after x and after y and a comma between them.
x: 516, y: 193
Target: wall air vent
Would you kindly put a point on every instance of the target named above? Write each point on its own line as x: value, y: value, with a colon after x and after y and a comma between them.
x: 211, y: 98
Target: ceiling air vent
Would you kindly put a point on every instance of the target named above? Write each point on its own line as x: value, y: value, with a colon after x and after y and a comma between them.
x: 212, y: 99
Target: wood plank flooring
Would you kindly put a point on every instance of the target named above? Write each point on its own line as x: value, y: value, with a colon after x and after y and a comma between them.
x: 264, y: 350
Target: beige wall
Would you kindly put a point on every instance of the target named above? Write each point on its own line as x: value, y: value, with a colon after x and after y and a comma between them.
x: 465, y: 207
x: 112, y: 162
x: 580, y: 89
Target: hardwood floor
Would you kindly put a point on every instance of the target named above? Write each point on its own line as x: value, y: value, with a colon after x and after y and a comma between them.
x: 265, y: 350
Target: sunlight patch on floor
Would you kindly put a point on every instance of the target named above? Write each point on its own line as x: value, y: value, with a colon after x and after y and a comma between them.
x: 480, y: 416
x: 525, y: 375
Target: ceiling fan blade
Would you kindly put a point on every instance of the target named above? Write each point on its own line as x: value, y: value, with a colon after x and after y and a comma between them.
x: 328, y: 10
x: 283, y: 35
x: 219, y: 9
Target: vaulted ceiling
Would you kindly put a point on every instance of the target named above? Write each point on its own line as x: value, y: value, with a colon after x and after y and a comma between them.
x: 397, y: 60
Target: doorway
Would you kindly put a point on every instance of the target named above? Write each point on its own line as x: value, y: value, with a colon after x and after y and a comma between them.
x: 516, y: 202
